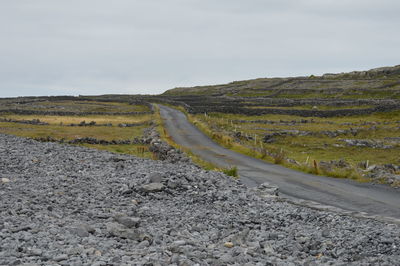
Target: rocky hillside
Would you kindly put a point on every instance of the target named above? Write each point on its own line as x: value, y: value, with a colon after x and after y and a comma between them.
x: 384, y: 80
x: 66, y: 205
x: 329, y: 95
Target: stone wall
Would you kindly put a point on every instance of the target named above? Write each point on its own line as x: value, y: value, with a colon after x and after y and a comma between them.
x: 303, y: 113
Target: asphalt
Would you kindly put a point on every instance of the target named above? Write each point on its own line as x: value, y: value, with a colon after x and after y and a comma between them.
x: 344, y: 194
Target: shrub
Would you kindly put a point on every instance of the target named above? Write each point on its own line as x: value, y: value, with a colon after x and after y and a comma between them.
x: 264, y: 153
x: 232, y: 171
x: 279, y: 157
x: 142, y: 149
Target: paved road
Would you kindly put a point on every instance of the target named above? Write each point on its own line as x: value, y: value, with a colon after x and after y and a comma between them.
x: 341, y: 193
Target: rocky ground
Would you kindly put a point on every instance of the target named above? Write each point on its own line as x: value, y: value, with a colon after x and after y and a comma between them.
x: 66, y: 205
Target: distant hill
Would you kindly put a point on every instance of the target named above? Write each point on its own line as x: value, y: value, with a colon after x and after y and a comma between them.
x: 376, y: 83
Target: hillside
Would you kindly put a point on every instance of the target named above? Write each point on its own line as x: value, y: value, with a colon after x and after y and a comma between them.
x: 381, y: 82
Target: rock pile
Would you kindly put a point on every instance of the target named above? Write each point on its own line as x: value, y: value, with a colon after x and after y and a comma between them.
x: 84, y: 124
x: 90, y: 140
x: 327, y: 166
x: 90, y: 124
x: 29, y: 122
x: 272, y: 122
x: 132, y: 124
x: 67, y: 205
x: 388, y: 173
x: 367, y: 143
x: 161, y: 149
x: 270, y: 137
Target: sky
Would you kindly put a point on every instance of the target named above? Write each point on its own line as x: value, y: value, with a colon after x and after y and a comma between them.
x: 92, y: 47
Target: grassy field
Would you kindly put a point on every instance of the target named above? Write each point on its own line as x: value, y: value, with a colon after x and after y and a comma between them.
x: 99, y: 119
x: 304, y: 150
x: 69, y: 133
x: 106, y: 128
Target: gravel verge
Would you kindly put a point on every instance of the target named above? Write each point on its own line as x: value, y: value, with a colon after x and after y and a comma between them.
x: 67, y: 205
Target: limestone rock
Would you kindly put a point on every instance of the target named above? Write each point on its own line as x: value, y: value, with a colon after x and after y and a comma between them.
x: 152, y: 187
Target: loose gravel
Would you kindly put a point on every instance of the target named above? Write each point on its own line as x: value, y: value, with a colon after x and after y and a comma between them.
x: 68, y: 205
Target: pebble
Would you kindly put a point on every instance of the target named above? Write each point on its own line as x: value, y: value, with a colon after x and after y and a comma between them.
x: 36, y: 252
x: 79, y: 231
x: 127, y: 221
x: 228, y: 244
x: 60, y: 257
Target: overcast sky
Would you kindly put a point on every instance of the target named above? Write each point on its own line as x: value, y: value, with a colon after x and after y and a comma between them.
x: 71, y: 47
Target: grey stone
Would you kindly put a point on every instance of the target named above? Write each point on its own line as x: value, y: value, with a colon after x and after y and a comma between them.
x: 80, y: 231
x: 127, y: 221
x: 266, y: 190
x: 325, y: 233
x: 36, y: 252
x: 152, y: 187
x: 143, y: 244
x: 117, y: 230
x: 155, y: 178
x: 21, y: 228
x: 60, y: 257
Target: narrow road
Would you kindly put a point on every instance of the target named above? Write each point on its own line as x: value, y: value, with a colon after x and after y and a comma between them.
x: 379, y: 200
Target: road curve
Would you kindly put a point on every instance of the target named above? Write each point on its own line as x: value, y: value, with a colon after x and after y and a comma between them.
x: 376, y: 200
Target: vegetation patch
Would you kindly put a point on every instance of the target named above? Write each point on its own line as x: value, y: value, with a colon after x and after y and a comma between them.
x: 323, y: 140
x: 231, y: 171
x: 106, y: 128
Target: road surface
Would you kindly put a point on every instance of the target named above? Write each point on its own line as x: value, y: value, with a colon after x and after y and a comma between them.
x: 375, y: 200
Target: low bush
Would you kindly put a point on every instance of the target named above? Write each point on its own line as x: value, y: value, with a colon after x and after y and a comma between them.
x: 279, y: 157
x: 232, y: 171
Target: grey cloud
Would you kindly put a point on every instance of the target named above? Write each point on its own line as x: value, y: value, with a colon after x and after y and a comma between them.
x: 132, y: 46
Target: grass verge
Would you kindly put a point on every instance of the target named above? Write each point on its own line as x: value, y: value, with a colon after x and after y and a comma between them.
x: 271, y: 153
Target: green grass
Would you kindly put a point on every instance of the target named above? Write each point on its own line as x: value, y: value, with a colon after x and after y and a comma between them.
x: 318, y: 147
x: 59, y: 128
x: 69, y: 133
x: 99, y: 119
x: 232, y: 171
